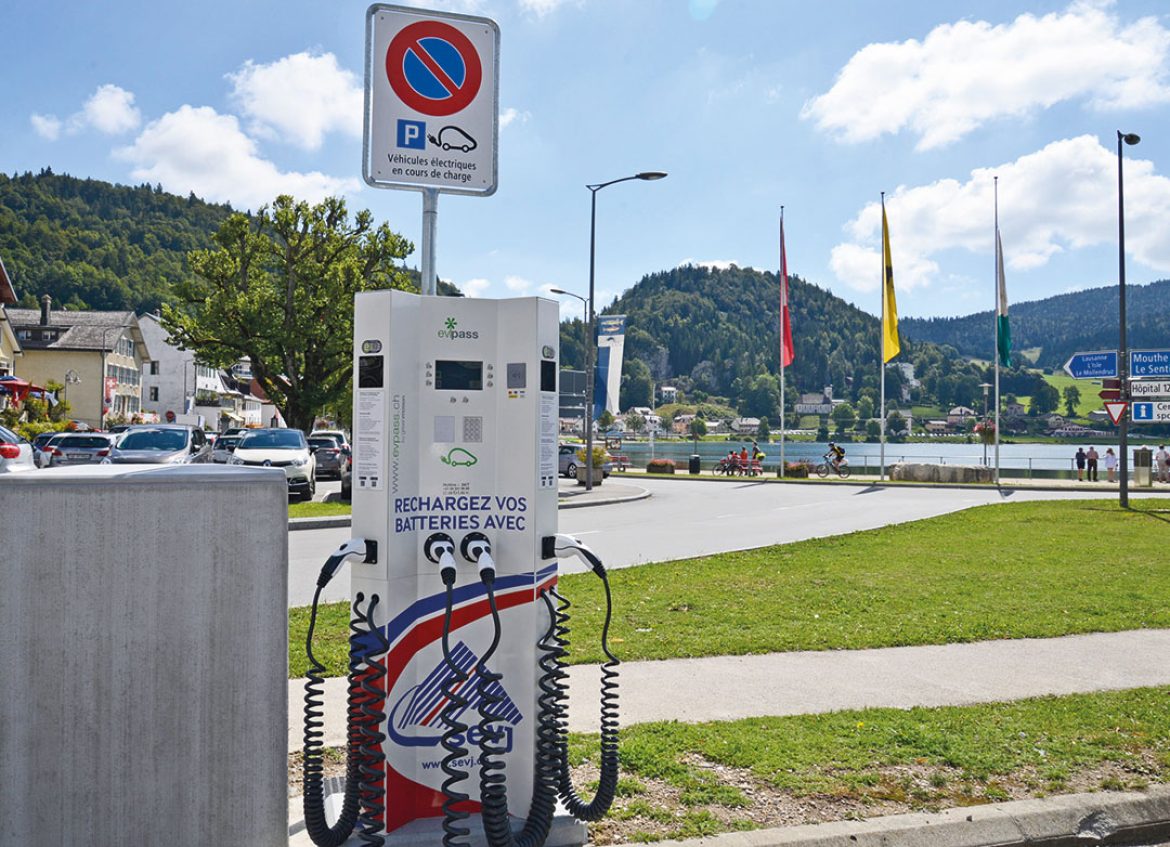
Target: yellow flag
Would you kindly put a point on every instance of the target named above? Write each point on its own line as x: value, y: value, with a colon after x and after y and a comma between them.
x: 890, y: 344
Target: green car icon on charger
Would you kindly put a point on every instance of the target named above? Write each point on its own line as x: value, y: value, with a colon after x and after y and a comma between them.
x: 459, y: 458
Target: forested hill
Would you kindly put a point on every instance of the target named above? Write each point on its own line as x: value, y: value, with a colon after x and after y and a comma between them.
x: 1059, y: 326
x: 716, y: 331
x: 91, y: 244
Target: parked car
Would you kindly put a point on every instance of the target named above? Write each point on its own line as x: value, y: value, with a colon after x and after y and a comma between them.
x: 335, y: 433
x: 39, y: 445
x: 16, y: 454
x: 347, y: 477
x: 223, y: 448
x: 79, y: 448
x: 161, y: 444
x: 569, y: 461
x: 329, y: 454
x: 116, y: 428
x: 280, y: 448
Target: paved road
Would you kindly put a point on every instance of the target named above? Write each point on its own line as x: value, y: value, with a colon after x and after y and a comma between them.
x: 685, y: 518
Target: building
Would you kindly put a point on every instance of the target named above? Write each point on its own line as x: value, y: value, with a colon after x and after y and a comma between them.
x: 668, y: 394
x: 1015, y: 410
x: 10, y: 347
x: 98, y: 356
x: 651, y: 421
x: 742, y: 425
x: 174, y: 383
x: 959, y: 415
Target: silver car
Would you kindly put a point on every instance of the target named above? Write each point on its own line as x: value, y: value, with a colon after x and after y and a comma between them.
x: 161, y: 444
x: 16, y: 454
x: 79, y: 448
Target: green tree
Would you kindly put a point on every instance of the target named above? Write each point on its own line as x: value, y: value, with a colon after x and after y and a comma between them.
x: 698, y: 428
x: 605, y: 420
x: 1072, y: 398
x: 278, y: 288
x: 637, y: 387
x: 635, y: 422
x: 896, y: 425
x: 843, y: 415
x: 764, y: 431
x: 1045, y: 400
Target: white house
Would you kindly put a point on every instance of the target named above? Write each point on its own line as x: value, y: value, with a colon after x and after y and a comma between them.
x: 173, y: 381
x: 653, y: 421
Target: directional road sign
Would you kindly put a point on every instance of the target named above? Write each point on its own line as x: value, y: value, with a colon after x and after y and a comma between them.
x: 1110, y: 389
x: 1116, y: 411
x: 1149, y: 388
x: 1149, y: 363
x: 432, y: 100
x: 1148, y: 412
x: 1096, y: 365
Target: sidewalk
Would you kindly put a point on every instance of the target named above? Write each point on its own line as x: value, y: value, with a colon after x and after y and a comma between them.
x: 826, y: 681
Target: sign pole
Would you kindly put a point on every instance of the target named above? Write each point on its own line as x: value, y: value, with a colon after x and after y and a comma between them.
x: 1123, y: 352
x: 430, y: 226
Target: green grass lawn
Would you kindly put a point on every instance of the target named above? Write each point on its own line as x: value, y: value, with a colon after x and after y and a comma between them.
x: 318, y: 510
x: 1014, y: 570
x: 720, y: 776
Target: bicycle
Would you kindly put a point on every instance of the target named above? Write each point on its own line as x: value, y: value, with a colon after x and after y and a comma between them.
x: 828, y: 466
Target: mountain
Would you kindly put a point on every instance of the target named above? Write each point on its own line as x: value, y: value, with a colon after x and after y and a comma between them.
x: 1058, y: 326
x: 714, y: 333
x: 94, y: 245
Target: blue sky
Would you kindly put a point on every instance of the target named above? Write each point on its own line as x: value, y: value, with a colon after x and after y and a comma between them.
x: 818, y: 107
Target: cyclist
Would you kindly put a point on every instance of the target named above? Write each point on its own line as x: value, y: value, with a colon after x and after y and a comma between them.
x: 835, y: 455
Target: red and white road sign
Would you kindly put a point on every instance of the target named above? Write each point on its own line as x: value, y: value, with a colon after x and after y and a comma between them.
x: 432, y: 100
x: 1116, y: 411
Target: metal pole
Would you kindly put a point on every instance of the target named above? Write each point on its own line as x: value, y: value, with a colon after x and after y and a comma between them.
x: 995, y: 349
x: 783, y: 305
x: 430, y: 226
x: 591, y: 342
x: 882, y: 359
x: 1122, y: 353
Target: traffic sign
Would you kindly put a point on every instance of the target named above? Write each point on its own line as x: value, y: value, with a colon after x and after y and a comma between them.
x: 1149, y: 388
x: 1110, y: 389
x: 1149, y: 412
x: 1095, y: 365
x: 432, y: 100
x: 1116, y: 411
x: 1149, y: 363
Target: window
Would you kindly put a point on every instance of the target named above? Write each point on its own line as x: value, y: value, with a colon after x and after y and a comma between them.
x: 154, y: 394
x: 154, y: 368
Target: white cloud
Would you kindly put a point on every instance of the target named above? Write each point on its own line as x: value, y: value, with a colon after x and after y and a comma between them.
x: 965, y: 74
x: 110, y: 111
x: 1060, y: 198
x: 197, y: 149
x: 517, y: 284
x: 47, y: 127
x: 476, y: 287
x: 510, y: 116
x: 300, y: 98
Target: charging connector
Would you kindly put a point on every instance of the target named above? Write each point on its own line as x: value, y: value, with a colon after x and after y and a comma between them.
x: 477, y: 549
x: 440, y: 549
x: 568, y: 545
x: 355, y: 547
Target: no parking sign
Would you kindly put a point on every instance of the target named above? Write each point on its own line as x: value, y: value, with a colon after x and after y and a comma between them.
x: 432, y: 100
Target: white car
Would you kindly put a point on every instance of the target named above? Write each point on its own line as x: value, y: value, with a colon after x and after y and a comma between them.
x: 16, y: 454
x: 280, y: 448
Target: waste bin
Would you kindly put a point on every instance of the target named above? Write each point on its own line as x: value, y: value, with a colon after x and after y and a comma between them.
x: 694, y: 465
x: 1143, y: 467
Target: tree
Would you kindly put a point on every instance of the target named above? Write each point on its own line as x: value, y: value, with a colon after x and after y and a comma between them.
x: 1045, y: 400
x: 637, y: 388
x: 278, y: 288
x: 896, y: 425
x: 843, y: 416
x: 1072, y: 398
x: 635, y: 422
x: 698, y: 428
x: 864, y: 412
x: 764, y: 431
x: 605, y: 420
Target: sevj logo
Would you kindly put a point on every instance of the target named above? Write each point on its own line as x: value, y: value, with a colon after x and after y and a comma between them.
x: 416, y: 719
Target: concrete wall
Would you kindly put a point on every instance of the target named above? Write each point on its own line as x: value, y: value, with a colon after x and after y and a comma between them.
x: 143, y: 656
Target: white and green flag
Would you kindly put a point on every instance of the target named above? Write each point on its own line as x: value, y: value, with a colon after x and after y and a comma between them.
x: 1003, y: 329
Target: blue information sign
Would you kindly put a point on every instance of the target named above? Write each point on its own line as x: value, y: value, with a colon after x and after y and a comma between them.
x: 1151, y: 412
x: 1149, y: 363
x: 1099, y: 365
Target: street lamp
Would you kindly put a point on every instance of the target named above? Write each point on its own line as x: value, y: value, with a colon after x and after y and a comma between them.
x: 71, y: 378
x: 984, y: 386
x: 591, y: 317
x: 1123, y: 352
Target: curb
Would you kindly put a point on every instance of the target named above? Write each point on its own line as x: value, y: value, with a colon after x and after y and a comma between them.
x: 1073, y: 819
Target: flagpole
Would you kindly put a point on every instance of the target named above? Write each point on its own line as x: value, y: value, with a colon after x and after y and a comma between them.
x: 783, y: 305
x: 995, y: 322
x: 882, y: 354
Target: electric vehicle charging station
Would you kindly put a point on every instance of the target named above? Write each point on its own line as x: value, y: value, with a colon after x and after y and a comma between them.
x: 457, y: 694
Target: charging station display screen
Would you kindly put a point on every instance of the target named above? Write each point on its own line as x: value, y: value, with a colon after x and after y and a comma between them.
x: 458, y: 376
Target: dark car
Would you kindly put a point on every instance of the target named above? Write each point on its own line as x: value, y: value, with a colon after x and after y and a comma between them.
x: 330, y: 455
x: 224, y: 446
x: 161, y: 444
x: 79, y: 448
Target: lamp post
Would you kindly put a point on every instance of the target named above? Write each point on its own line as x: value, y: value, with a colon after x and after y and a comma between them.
x: 71, y: 378
x: 984, y: 386
x: 1123, y: 351
x: 591, y: 317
